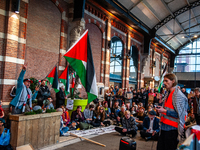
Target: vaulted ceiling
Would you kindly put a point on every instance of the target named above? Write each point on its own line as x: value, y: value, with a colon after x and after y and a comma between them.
x: 174, y: 22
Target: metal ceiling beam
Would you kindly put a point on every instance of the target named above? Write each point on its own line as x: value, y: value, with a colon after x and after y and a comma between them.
x: 181, y: 31
x: 124, y: 11
x: 192, y: 12
x: 174, y: 18
x: 175, y: 14
x: 134, y: 5
x: 164, y: 44
x: 156, y: 16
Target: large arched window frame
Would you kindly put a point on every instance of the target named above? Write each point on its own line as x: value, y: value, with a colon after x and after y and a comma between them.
x: 116, y: 56
x: 188, y: 59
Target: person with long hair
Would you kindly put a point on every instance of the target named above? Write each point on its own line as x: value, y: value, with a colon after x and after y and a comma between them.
x: 173, y: 114
x: 100, y: 118
x: 140, y: 115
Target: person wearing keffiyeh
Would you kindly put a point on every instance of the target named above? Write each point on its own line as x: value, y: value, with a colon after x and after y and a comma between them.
x: 24, y: 95
x: 173, y: 114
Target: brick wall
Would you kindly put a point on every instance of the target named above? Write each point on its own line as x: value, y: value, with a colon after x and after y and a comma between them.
x: 43, y: 38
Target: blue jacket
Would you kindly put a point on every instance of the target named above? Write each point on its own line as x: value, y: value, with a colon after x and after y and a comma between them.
x: 19, y: 90
x: 146, y: 124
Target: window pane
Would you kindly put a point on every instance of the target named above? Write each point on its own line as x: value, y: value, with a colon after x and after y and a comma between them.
x: 111, y: 70
x: 116, y: 55
x: 191, y: 68
x: 198, y: 68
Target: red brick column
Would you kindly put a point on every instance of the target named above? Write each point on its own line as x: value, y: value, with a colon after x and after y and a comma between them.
x: 107, y: 57
x: 63, y: 38
x: 13, y: 35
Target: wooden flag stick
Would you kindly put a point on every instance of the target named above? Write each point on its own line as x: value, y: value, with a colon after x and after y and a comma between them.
x: 88, y: 140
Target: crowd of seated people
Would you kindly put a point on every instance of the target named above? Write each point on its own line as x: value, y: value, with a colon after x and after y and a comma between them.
x: 130, y: 110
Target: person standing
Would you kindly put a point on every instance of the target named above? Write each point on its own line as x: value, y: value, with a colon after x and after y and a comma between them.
x: 196, y: 105
x: 173, y: 114
x: 24, y: 96
x: 128, y: 96
x: 60, y: 97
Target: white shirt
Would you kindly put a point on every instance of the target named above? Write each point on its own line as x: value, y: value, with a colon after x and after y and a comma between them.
x: 151, y: 125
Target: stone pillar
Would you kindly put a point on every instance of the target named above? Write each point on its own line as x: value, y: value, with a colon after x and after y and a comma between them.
x: 127, y: 69
x: 75, y: 33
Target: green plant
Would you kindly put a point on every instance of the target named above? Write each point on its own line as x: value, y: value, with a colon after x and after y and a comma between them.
x: 39, y: 111
x: 30, y: 113
x: 50, y: 110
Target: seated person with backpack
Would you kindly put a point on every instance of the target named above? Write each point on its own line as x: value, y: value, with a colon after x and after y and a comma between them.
x: 151, y: 127
x: 128, y: 125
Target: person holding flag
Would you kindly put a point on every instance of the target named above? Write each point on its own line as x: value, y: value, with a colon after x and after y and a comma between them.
x: 173, y: 115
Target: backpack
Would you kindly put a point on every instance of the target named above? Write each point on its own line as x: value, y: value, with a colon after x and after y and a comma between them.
x: 85, y: 126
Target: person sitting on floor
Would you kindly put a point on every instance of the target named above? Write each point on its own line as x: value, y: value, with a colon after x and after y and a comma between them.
x: 121, y: 115
x: 88, y: 114
x: 133, y: 111
x: 100, y: 118
x: 65, y: 116
x: 107, y: 109
x: 140, y: 115
x: 190, y: 121
x: 151, y: 127
x: 115, y: 110
x: 128, y: 125
x: 77, y: 115
x: 2, y: 114
x: 63, y: 128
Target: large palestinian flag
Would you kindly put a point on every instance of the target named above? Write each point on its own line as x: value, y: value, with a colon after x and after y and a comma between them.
x: 80, y: 58
x: 53, y: 79
x: 64, y: 78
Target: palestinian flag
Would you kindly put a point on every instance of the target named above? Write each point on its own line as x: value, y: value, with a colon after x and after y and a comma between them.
x: 80, y: 58
x: 53, y: 79
x: 64, y: 78
x: 162, y: 78
x: 73, y: 82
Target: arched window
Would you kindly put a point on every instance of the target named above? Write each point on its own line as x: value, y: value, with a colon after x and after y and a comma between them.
x: 116, y: 56
x: 188, y: 59
x: 133, y: 73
